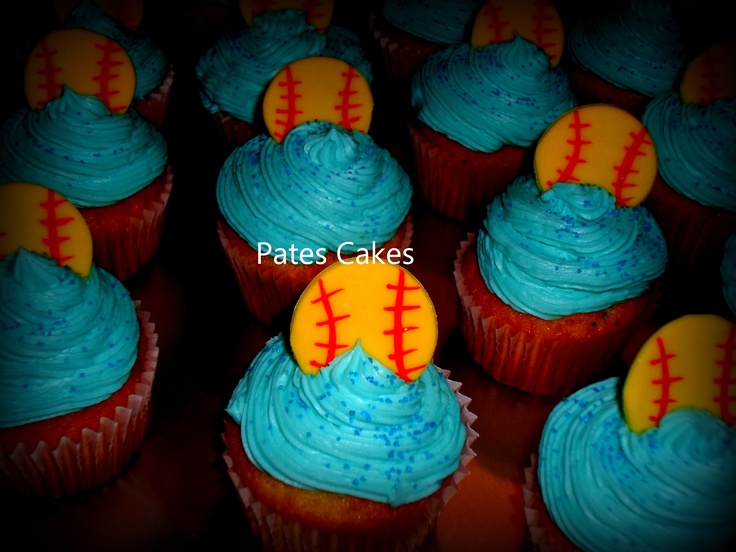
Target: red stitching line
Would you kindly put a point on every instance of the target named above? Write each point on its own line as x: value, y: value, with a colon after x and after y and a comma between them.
x: 331, y: 322
x: 52, y: 224
x: 398, y: 330
x: 710, y: 74
x: 48, y: 71
x: 311, y: 7
x: 290, y: 111
x: 345, y: 107
x: 626, y: 167
x: 539, y: 30
x: 106, y: 75
x: 496, y: 24
x: 726, y: 379
x: 666, y: 381
x: 577, y: 143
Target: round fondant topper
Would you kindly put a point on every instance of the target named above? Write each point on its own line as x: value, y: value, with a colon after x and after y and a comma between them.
x: 688, y: 363
x: 536, y: 20
x: 319, y: 12
x: 87, y: 62
x: 128, y: 12
x: 42, y: 221
x: 382, y: 305
x: 711, y: 76
x: 317, y: 88
x: 598, y: 144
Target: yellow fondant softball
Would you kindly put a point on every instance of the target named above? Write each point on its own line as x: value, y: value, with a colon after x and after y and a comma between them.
x: 42, y: 221
x: 688, y: 363
x: 317, y: 88
x: 85, y: 61
x: 602, y: 145
x: 319, y: 12
x: 536, y: 20
x: 382, y: 305
x: 128, y: 12
x: 711, y: 76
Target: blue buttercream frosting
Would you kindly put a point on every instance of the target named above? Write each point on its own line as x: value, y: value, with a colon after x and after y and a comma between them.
x: 491, y: 96
x: 354, y: 428
x: 322, y: 187
x: 672, y: 488
x: 437, y: 21
x: 567, y: 250
x: 66, y: 342
x: 76, y: 147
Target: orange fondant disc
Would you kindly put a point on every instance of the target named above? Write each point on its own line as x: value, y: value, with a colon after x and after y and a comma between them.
x: 128, y: 12
x: 602, y: 145
x: 85, y: 61
x: 42, y: 221
x: 319, y: 12
x: 317, y: 88
x: 688, y: 363
x: 382, y: 305
x: 536, y: 20
x: 711, y: 76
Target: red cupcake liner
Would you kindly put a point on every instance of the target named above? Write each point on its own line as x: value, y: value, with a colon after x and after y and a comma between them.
x: 281, y: 532
x: 459, y: 182
x: 126, y: 234
x: 82, y: 450
x: 154, y: 105
x: 235, y: 132
x: 543, y: 357
x: 271, y: 290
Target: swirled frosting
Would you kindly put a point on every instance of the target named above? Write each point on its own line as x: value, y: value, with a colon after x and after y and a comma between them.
x: 235, y: 72
x: 696, y: 147
x: 637, y: 45
x: 66, y: 342
x: 567, y: 250
x: 437, y: 21
x: 77, y: 148
x: 670, y: 488
x: 150, y: 62
x: 354, y: 428
x: 322, y: 187
x: 492, y: 96
x: 728, y: 273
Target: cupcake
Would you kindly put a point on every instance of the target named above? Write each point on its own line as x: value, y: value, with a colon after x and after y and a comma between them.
x: 559, y: 275
x: 643, y: 463
x: 407, y: 31
x: 478, y: 110
x: 694, y: 194
x: 153, y: 70
x: 297, y: 199
x: 78, y: 356
x: 352, y: 446
x: 104, y: 158
x: 234, y: 73
x: 625, y: 53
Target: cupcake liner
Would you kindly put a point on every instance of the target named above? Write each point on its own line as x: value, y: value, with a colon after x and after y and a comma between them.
x: 234, y: 131
x: 126, y: 234
x: 271, y: 290
x: 34, y: 461
x: 544, y: 535
x: 529, y: 353
x: 456, y: 181
x: 278, y: 533
x: 154, y: 105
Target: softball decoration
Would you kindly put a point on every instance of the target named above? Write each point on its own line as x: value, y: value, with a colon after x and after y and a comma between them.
x: 128, y: 12
x: 42, y: 221
x: 602, y: 145
x: 688, y: 363
x: 319, y: 12
x: 317, y: 88
x: 87, y: 62
x: 382, y: 305
x: 536, y: 20
x: 711, y: 76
